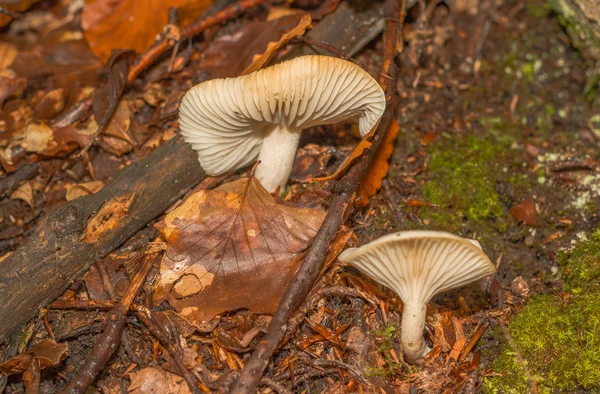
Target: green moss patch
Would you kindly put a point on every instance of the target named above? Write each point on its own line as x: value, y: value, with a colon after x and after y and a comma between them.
x: 463, y: 175
x: 558, y: 335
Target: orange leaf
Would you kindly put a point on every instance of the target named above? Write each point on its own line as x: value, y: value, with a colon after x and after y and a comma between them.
x: 525, y: 212
x: 371, y: 181
x: 232, y: 247
x: 129, y: 24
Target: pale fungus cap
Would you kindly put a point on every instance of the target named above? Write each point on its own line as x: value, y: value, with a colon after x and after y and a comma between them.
x: 233, y: 122
x: 417, y: 265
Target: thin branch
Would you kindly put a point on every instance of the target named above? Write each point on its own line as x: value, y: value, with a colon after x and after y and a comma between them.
x: 340, y: 209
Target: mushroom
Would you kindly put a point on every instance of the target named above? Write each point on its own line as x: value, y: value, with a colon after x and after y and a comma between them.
x: 418, y: 265
x: 234, y: 121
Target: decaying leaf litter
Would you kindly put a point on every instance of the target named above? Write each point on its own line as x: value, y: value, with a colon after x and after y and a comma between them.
x: 497, y: 139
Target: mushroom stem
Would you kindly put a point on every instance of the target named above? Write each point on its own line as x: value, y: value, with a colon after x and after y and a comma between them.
x: 277, y: 156
x: 413, y: 325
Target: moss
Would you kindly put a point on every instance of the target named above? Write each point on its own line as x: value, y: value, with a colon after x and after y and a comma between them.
x: 558, y: 336
x: 463, y: 178
x: 581, y: 266
x: 385, y: 338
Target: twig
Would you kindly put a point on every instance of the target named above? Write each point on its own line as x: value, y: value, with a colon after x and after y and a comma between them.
x: 14, y: 180
x: 519, y: 356
x: 157, y: 50
x: 276, y: 386
x: 340, y: 209
x: 109, y: 339
x: 159, y: 332
x: 82, y: 305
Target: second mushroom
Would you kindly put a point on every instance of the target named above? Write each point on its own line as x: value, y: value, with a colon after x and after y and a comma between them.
x: 233, y: 122
x: 418, y: 265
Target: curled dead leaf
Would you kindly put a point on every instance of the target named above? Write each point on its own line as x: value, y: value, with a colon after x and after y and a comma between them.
x: 259, y: 60
x: 232, y: 54
x: 24, y: 193
x: 371, y: 180
x: 525, y: 212
x: 47, y: 352
x: 232, y: 247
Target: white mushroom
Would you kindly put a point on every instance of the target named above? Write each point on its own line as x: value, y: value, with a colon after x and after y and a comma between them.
x: 418, y: 265
x: 234, y: 121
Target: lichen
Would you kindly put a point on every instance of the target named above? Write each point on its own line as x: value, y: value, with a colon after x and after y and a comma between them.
x: 558, y: 335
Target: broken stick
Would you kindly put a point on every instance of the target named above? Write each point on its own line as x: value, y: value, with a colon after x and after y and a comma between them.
x: 81, y: 231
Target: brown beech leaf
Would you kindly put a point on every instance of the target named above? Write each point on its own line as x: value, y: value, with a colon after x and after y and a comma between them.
x: 230, y: 55
x: 259, y: 60
x: 105, y: 99
x: 232, y: 247
x: 525, y: 212
x: 156, y: 380
x: 48, y: 352
x: 129, y: 24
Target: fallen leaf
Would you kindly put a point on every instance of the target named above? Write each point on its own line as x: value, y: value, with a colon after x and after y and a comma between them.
x: 232, y: 247
x: 10, y: 85
x: 36, y: 137
x: 154, y: 380
x: 83, y: 189
x: 48, y: 352
x: 232, y: 54
x: 129, y: 24
x: 258, y: 61
x: 15, y: 6
x: 50, y: 105
x: 108, y: 218
x: 24, y: 193
x: 371, y: 180
x: 525, y: 212
x: 106, y: 98
x: 8, y: 53
x: 311, y: 161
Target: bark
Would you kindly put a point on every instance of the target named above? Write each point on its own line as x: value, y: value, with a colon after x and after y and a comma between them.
x: 64, y: 243
x: 581, y: 19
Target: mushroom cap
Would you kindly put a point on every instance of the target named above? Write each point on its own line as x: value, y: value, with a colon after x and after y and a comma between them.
x: 420, y: 264
x: 224, y: 119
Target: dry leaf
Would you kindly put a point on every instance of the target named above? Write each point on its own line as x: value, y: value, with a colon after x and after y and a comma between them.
x: 8, y: 53
x: 83, y: 189
x: 230, y: 55
x: 36, y: 138
x: 371, y: 180
x: 232, y: 247
x: 24, y: 193
x: 259, y: 61
x: 48, y: 352
x: 154, y: 380
x: 108, y: 218
x: 13, y: 6
x: 129, y: 24
x: 10, y: 85
x: 50, y: 105
x: 525, y: 212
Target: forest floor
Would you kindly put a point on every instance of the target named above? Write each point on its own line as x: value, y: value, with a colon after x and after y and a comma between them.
x: 498, y: 140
